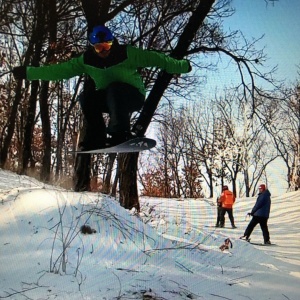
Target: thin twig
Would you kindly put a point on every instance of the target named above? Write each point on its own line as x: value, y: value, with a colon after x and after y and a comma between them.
x: 19, y: 292
x: 4, y: 73
x: 220, y: 296
x: 183, y: 267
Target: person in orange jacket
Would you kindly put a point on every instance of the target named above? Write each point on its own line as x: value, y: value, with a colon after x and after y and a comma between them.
x: 227, y: 200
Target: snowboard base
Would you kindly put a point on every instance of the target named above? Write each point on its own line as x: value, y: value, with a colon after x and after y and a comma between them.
x: 134, y: 145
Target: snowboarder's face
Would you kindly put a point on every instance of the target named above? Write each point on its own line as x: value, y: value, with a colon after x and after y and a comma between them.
x: 103, y: 54
x: 103, y: 49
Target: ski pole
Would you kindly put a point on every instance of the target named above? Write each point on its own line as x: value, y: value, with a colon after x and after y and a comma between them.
x: 247, y: 215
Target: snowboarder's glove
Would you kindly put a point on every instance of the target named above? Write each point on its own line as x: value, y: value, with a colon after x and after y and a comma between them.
x: 176, y: 76
x: 19, y: 72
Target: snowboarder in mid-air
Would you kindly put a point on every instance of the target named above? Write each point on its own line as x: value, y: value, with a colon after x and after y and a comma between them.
x: 117, y: 87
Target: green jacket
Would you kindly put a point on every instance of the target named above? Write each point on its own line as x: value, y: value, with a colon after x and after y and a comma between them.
x: 121, y: 65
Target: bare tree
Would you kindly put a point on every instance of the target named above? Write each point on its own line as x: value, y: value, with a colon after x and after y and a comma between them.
x: 181, y: 29
x: 285, y: 133
x: 29, y: 31
x: 175, y: 170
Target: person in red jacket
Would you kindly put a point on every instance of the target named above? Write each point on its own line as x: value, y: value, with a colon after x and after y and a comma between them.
x: 227, y: 200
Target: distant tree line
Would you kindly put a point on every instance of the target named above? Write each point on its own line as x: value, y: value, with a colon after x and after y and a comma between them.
x: 214, y: 142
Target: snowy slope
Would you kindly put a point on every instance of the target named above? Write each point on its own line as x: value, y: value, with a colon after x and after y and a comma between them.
x: 169, y: 251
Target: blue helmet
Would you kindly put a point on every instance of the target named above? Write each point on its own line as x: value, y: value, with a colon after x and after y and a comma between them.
x: 100, y: 34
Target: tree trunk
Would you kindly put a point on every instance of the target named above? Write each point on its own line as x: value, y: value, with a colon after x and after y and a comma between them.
x: 96, y: 12
x: 37, y: 41
x: 128, y: 180
x: 46, y: 129
x: 50, y: 9
x: 29, y: 126
x: 64, y: 121
x: 11, y: 124
x: 60, y: 133
x: 211, y: 184
x: 108, y: 173
x: 82, y: 178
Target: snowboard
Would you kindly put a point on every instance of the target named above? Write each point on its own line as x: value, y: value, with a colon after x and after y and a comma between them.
x: 213, y: 226
x: 134, y: 145
x: 262, y: 244
x: 258, y: 244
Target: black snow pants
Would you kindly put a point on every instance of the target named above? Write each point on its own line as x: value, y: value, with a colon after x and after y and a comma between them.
x: 263, y: 222
x: 230, y: 215
x: 119, y: 100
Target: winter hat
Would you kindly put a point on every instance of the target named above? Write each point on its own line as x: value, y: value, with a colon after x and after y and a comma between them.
x: 262, y: 187
x: 100, y: 34
x: 225, y: 187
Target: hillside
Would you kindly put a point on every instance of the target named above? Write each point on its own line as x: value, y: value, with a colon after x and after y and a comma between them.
x: 168, y: 251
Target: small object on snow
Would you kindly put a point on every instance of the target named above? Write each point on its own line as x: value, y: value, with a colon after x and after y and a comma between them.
x: 162, y: 222
x: 133, y: 211
x: 86, y: 229
x: 149, y: 295
x: 226, y: 244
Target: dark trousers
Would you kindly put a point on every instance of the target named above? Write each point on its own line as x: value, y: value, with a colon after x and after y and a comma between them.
x: 219, y: 210
x: 263, y: 222
x: 230, y: 215
x: 119, y: 100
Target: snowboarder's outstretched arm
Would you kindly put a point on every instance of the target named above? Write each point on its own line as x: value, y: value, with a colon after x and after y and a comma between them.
x: 151, y: 58
x: 64, y: 70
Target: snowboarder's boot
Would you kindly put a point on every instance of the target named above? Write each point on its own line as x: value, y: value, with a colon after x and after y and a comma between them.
x: 118, y: 138
x: 245, y: 238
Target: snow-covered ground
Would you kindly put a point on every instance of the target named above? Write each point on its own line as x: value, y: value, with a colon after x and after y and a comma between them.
x: 169, y: 251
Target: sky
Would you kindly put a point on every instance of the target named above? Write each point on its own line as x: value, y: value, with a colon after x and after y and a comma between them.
x: 280, y: 23
x: 168, y: 251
